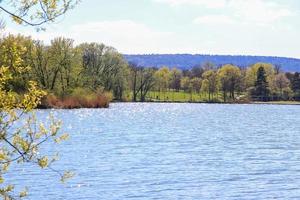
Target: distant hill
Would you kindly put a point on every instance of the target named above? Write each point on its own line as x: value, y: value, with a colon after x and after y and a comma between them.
x: 187, y: 61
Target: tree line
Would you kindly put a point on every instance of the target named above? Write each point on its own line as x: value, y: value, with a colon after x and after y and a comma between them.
x: 63, y: 69
x: 227, y: 83
x: 89, y: 70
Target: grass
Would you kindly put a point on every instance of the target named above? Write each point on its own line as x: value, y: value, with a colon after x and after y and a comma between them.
x: 279, y: 102
x: 181, y: 96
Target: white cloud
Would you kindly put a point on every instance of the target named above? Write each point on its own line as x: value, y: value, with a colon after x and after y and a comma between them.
x: 214, y: 19
x: 125, y: 35
x: 259, y: 11
x: 205, y: 3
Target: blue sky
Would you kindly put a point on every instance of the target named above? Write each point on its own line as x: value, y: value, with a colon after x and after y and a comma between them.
x: 243, y: 27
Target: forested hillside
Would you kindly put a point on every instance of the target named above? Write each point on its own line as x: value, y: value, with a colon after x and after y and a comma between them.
x: 187, y: 61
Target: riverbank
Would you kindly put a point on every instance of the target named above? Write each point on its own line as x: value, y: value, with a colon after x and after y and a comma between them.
x: 279, y: 102
x: 193, y: 102
x: 103, y: 101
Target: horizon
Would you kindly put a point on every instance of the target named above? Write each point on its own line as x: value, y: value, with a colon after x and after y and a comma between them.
x: 204, y: 54
x: 216, y: 27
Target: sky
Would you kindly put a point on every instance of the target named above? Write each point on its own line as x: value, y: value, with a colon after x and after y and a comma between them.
x: 227, y: 27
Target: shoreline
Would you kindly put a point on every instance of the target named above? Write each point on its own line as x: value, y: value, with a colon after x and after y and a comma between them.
x: 297, y: 103
x: 279, y: 103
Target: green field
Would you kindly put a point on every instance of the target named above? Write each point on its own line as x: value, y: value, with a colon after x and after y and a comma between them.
x: 181, y: 96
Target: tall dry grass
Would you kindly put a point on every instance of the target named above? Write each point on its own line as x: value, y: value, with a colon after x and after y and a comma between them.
x: 77, y: 101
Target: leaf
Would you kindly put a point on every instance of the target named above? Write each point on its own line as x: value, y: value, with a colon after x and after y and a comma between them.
x: 23, y: 193
x: 62, y: 138
x: 43, y: 162
x: 67, y: 175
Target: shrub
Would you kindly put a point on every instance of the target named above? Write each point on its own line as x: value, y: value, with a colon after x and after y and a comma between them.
x: 92, y: 100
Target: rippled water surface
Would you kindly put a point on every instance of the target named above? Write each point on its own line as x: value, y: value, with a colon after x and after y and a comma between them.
x: 174, y: 151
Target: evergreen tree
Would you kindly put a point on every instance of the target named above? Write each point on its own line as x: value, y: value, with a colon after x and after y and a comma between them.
x: 296, y: 85
x: 261, y: 86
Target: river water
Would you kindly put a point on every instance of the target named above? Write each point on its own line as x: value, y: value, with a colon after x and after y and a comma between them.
x: 172, y: 151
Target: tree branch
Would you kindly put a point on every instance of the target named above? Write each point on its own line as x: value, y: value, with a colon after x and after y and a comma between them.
x: 32, y: 23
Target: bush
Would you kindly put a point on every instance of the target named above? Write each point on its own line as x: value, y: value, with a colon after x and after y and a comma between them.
x: 78, y: 100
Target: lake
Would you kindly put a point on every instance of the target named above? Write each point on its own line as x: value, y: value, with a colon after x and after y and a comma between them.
x: 173, y: 151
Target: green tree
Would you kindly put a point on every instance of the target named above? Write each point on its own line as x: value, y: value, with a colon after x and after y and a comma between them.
x: 103, y: 67
x: 251, y: 73
x: 142, y: 80
x: 205, y: 86
x: 147, y: 82
x: 12, y: 50
x: 185, y: 83
x: 261, y: 90
x: 62, y: 57
x: 133, y: 80
x: 22, y: 144
x: 162, y: 77
x: 230, y: 78
x: 175, y: 76
x: 212, y: 83
x: 196, y: 84
x: 296, y: 85
x: 39, y: 61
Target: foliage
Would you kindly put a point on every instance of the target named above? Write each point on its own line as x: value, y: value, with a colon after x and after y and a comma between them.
x: 20, y: 143
x: 36, y: 12
x: 251, y: 73
x: 210, y: 79
x: 261, y: 90
x: 103, y: 67
x: 63, y: 69
x: 229, y: 77
x: 141, y: 80
x: 175, y: 77
x: 295, y: 82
